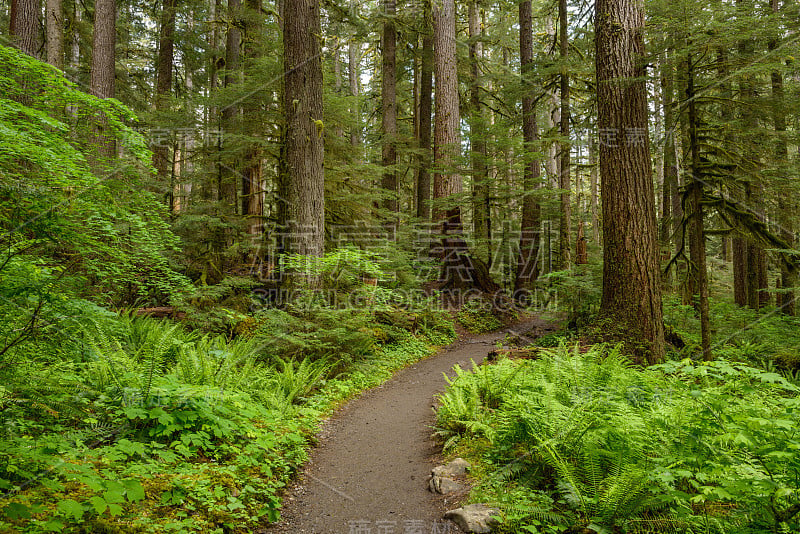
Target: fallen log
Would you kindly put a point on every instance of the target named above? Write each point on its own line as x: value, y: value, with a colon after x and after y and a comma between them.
x: 530, y: 353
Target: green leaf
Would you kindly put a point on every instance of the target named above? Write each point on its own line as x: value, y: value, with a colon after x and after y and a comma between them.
x: 51, y: 484
x: 71, y: 509
x: 115, y: 493
x: 98, y: 503
x: 133, y: 489
x: 16, y: 510
x: 95, y: 484
x: 54, y: 525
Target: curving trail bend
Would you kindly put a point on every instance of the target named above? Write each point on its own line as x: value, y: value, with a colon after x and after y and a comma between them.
x: 369, y: 472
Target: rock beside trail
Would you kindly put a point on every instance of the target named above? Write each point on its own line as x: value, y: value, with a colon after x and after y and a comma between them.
x: 451, y: 469
x: 443, y: 477
x: 476, y: 518
x: 444, y: 485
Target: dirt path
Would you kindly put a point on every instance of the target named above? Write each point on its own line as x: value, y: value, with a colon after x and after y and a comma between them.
x: 369, y: 473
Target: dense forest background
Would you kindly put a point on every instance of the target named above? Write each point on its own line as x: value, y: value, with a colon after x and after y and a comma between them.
x: 516, y: 167
x: 315, y: 189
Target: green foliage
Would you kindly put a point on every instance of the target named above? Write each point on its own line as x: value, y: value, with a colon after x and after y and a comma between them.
x: 553, y: 339
x: 140, y: 425
x: 343, y: 268
x: 58, y: 202
x: 316, y: 333
x: 741, y: 334
x: 221, y: 307
x: 577, y: 291
x: 586, y: 440
x: 477, y: 316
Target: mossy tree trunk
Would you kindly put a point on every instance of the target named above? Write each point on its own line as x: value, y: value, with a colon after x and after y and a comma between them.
x: 631, y: 296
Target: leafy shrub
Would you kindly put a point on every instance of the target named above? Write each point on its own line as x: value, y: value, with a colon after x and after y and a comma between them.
x: 344, y: 268
x: 577, y: 291
x: 316, y: 334
x: 221, y: 307
x: 54, y: 205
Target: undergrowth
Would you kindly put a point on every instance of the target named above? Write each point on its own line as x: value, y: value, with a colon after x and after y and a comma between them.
x: 116, y: 423
x: 586, y: 441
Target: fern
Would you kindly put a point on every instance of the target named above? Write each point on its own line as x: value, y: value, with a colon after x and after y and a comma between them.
x: 214, y: 361
x: 290, y: 381
x: 135, y: 364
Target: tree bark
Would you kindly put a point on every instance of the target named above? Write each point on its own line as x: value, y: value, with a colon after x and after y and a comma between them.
x: 353, y: 57
x: 593, y: 191
x: 785, y: 299
x: 103, y: 55
x: 481, y: 221
x: 24, y: 26
x: 102, y: 75
x: 54, y: 24
x: 425, y: 114
x: 740, y: 262
x: 527, y: 269
x: 756, y: 278
x: 253, y: 172
x: 166, y: 47
x: 304, y: 148
x: 389, y: 113
x: 459, y: 270
x: 631, y: 297
x: 697, y: 238
x: 227, y: 176
x: 670, y: 188
x: 447, y: 140
x: 565, y: 223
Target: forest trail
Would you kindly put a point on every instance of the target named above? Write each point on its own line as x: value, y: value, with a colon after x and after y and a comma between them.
x: 369, y: 473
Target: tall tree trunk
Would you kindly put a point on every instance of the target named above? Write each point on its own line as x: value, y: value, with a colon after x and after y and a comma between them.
x: 304, y: 147
x: 786, y: 212
x: 552, y: 163
x: 481, y: 222
x: 75, y: 40
x: 353, y: 58
x: 631, y: 297
x: 447, y: 141
x: 54, y: 24
x: 389, y: 112
x: 697, y: 238
x: 756, y: 255
x: 337, y: 73
x: 593, y: 191
x: 227, y: 185
x: 103, y: 55
x: 24, y: 25
x: 565, y: 223
x: 425, y: 114
x: 188, y: 142
x: 102, y: 75
x: 166, y: 47
x: 253, y: 191
x: 447, y: 181
x: 253, y: 172
x: 209, y: 187
x: 527, y: 270
x: 740, y: 261
x: 670, y: 188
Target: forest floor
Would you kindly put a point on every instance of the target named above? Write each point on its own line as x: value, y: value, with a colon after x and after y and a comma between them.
x: 369, y: 472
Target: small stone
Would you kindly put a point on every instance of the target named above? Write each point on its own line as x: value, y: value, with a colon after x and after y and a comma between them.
x: 444, y: 485
x: 455, y: 468
x: 475, y: 518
